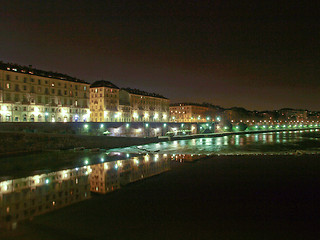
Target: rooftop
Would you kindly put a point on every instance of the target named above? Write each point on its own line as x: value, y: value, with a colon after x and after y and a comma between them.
x: 143, y: 93
x: 187, y: 104
x: 33, y: 71
x: 103, y: 83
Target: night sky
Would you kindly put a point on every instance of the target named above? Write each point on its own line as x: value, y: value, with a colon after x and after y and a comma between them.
x: 258, y: 55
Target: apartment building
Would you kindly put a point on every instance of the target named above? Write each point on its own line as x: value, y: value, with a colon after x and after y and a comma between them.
x: 189, y: 112
x: 32, y: 95
x: 104, y: 102
x: 144, y: 106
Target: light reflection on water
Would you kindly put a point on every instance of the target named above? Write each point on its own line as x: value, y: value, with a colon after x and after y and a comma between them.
x: 23, y: 198
x: 263, y: 142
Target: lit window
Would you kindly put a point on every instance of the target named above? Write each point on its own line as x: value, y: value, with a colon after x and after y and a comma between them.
x: 8, y: 85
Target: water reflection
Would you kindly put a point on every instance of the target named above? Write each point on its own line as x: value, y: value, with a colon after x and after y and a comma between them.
x: 109, y: 176
x: 265, y: 142
x: 23, y: 198
x: 186, y: 157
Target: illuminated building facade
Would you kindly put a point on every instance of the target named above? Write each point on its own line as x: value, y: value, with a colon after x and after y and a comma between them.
x: 104, y: 102
x: 31, y: 95
x: 24, y: 198
x: 188, y: 112
x: 144, y: 106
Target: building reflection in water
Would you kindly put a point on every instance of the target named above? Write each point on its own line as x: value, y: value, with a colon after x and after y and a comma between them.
x: 109, y: 176
x: 186, y: 157
x: 22, y: 199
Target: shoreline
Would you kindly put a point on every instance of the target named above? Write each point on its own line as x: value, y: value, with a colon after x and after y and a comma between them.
x: 29, y: 143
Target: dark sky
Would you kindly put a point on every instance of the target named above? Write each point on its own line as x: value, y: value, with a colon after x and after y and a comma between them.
x: 258, y: 55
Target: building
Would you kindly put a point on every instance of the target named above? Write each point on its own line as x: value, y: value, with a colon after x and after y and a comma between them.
x: 104, y: 102
x: 32, y: 95
x: 189, y: 112
x: 143, y: 106
x: 22, y: 199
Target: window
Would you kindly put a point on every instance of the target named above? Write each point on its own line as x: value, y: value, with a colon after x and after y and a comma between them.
x: 16, y: 98
x: 8, y: 77
x: 39, y: 81
x: 46, y: 82
x: 17, y: 78
x: 85, y: 88
x: 46, y: 91
x: 24, y: 87
x: 52, y: 91
x: 32, y: 80
x: 8, y: 85
x: 16, y: 88
x: 25, y: 80
x: 8, y: 96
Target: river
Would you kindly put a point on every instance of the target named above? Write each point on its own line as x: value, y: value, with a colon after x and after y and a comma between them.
x: 40, y: 183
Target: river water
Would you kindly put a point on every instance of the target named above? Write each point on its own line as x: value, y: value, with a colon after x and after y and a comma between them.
x: 276, y: 142
x: 39, y: 183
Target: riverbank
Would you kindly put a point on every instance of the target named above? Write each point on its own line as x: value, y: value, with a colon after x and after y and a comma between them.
x: 13, y: 143
x: 219, y: 197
